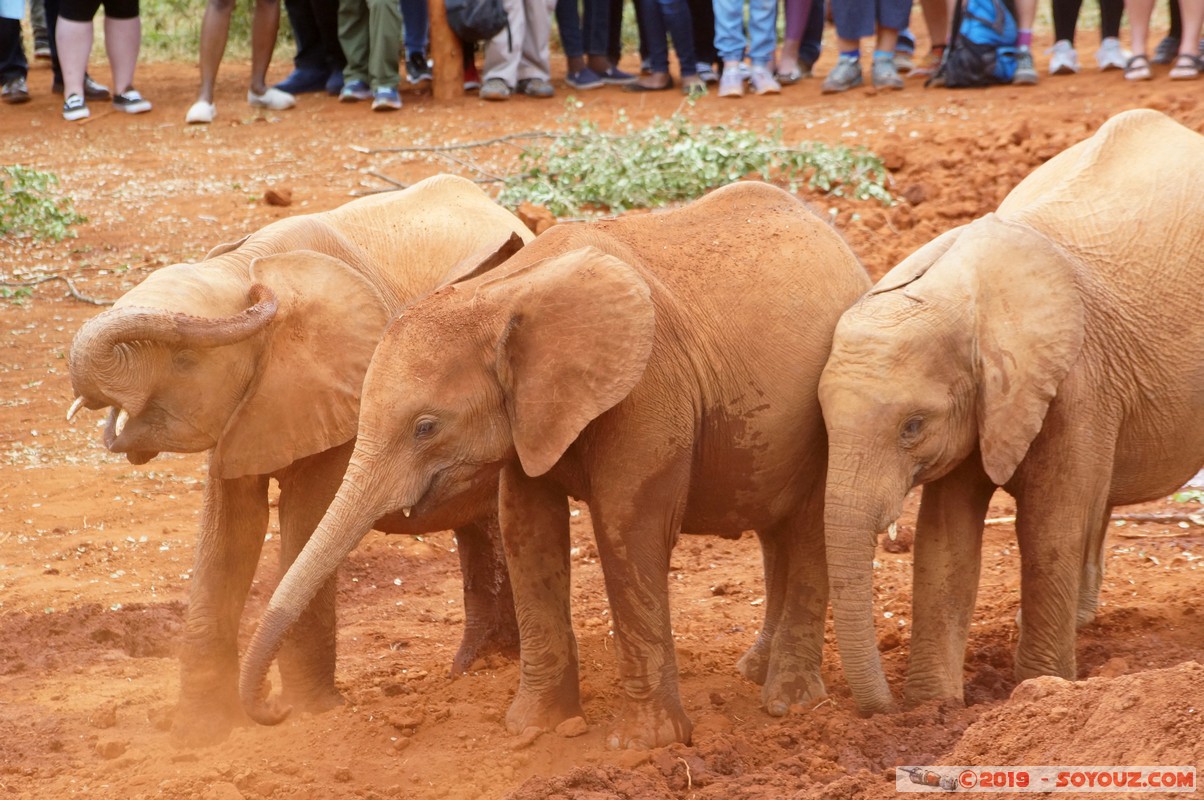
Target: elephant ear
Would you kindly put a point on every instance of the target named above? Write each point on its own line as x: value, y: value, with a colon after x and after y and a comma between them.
x: 575, y: 341
x: 916, y: 265
x: 1028, y: 331
x: 228, y: 247
x: 483, y: 260
x: 305, y: 396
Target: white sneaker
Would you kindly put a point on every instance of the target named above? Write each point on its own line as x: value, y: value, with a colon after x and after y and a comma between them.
x: 201, y: 113
x: 1111, y: 55
x: 273, y: 98
x: 1063, y: 59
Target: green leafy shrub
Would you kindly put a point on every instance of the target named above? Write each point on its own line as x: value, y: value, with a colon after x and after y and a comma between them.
x: 30, y: 208
x: 674, y: 160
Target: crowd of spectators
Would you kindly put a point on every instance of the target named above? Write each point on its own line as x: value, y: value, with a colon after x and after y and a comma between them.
x: 359, y: 50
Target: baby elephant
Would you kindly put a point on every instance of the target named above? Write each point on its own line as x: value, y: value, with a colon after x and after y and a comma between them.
x: 256, y: 354
x: 1055, y: 349
x: 662, y: 368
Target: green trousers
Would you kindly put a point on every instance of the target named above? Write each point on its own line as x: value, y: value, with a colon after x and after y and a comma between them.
x: 370, y: 34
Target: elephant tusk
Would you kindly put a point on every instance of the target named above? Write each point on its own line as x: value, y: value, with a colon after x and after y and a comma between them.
x: 76, y: 405
x: 122, y: 418
x: 406, y: 510
x: 893, y: 531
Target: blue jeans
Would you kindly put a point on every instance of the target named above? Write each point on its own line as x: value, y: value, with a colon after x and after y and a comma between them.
x: 414, y: 16
x: 664, y: 18
x: 762, y: 30
x: 579, y: 37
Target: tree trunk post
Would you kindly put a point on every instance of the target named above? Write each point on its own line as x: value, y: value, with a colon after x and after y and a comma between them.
x: 447, y: 54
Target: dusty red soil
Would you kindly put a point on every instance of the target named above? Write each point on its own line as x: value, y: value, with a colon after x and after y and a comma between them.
x: 95, y: 554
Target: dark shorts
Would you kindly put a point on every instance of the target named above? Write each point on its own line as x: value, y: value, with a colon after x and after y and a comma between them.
x: 85, y: 10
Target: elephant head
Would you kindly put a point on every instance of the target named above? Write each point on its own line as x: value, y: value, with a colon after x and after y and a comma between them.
x: 955, y: 354
x: 478, y: 374
x: 261, y: 364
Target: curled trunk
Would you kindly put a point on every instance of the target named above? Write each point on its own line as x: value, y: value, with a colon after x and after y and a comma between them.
x: 95, y: 359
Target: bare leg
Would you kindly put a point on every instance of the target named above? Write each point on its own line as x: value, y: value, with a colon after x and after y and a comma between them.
x: 215, y: 29
x: 264, y: 26
x: 1193, y: 20
x: 123, y: 39
x: 936, y: 19
x: 74, y: 40
x: 1139, y: 24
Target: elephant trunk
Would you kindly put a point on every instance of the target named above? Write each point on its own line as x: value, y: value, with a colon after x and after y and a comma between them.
x: 851, y: 535
x: 346, y: 522
x: 97, y: 360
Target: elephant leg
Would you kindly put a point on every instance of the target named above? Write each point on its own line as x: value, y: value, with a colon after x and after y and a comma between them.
x: 489, y: 622
x: 948, y: 560
x: 234, y: 519
x: 754, y: 664
x: 1058, y: 516
x: 794, y: 669
x: 307, y: 656
x: 1093, y: 572
x: 534, y: 517
x: 634, y: 544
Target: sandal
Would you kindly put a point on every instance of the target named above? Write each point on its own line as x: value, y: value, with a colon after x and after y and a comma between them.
x: 1138, y: 69
x: 1187, y: 68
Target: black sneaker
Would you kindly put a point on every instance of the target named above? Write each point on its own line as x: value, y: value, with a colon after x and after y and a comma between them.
x: 418, y: 69
x: 15, y: 91
x: 131, y: 102
x: 75, y: 108
x: 92, y: 89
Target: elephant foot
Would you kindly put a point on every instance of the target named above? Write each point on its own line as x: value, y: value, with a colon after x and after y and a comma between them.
x: 754, y: 664
x: 203, y: 725
x: 1085, y: 617
x: 917, y: 692
x: 646, y: 725
x: 786, y: 688
x: 543, y: 710
x: 312, y: 701
x: 499, y: 637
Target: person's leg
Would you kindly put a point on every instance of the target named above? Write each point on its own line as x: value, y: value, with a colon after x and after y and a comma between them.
x: 1026, y: 14
x: 936, y: 19
x: 13, y: 65
x: 762, y: 32
x: 215, y: 29
x: 1187, y: 65
x: 680, y: 26
x: 416, y: 20
x: 1110, y: 14
x: 535, y: 63
x: 1065, y: 19
x: 75, y: 47
x: 813, y: 34
x: 265, y: 25
x: 854, y: 21
x: 310, y: 67
x: 568, y: 22
x: 501, y: 60
x: 1139, y: 26
x: 655, y: 37
x: 123, y: 40
x: 37, y: 24
x: 353, y: 36
x: 384, y: 44
x: 702, y: 23
x: 595, y: 25
x: 796, y: 13
x: 1176, y: 12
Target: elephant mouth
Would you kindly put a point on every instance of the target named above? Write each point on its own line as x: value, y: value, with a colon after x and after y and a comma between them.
x: 139, y: 457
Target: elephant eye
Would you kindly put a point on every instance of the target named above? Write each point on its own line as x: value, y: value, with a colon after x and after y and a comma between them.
x: 911, y: 428
x: 424, y: 428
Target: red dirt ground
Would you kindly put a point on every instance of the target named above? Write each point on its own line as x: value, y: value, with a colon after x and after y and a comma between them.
x: 95, y: 554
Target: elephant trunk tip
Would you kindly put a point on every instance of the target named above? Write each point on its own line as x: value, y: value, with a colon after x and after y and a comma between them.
x: 258, y: 706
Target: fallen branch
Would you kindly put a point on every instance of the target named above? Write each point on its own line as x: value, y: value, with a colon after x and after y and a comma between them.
x: 1193, y: 519
x: 443, y: 148
x: 78, y: 295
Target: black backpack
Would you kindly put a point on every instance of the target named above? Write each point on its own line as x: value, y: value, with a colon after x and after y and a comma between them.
x: 477, y: 20
x: 983, y: 50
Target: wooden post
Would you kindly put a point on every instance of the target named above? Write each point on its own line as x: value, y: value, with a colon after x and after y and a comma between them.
x: 447, y: 54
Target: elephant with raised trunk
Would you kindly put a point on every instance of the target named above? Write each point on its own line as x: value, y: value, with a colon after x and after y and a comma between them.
x: 257, y: 354
x: 662, y: 368
x: 1055, y: 349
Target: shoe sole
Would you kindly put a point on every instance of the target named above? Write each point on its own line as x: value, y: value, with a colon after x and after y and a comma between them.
x: 1025, y: 80
x: 1065, y: 69
x: 354, y: 98
x: 74, y: 116
x: 133, y: 108
x: 585, y: 87
x: 386, y: 107
x: 838, y: 89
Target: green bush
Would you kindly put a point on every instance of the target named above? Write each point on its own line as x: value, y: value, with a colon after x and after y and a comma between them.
x: 30, y: 208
